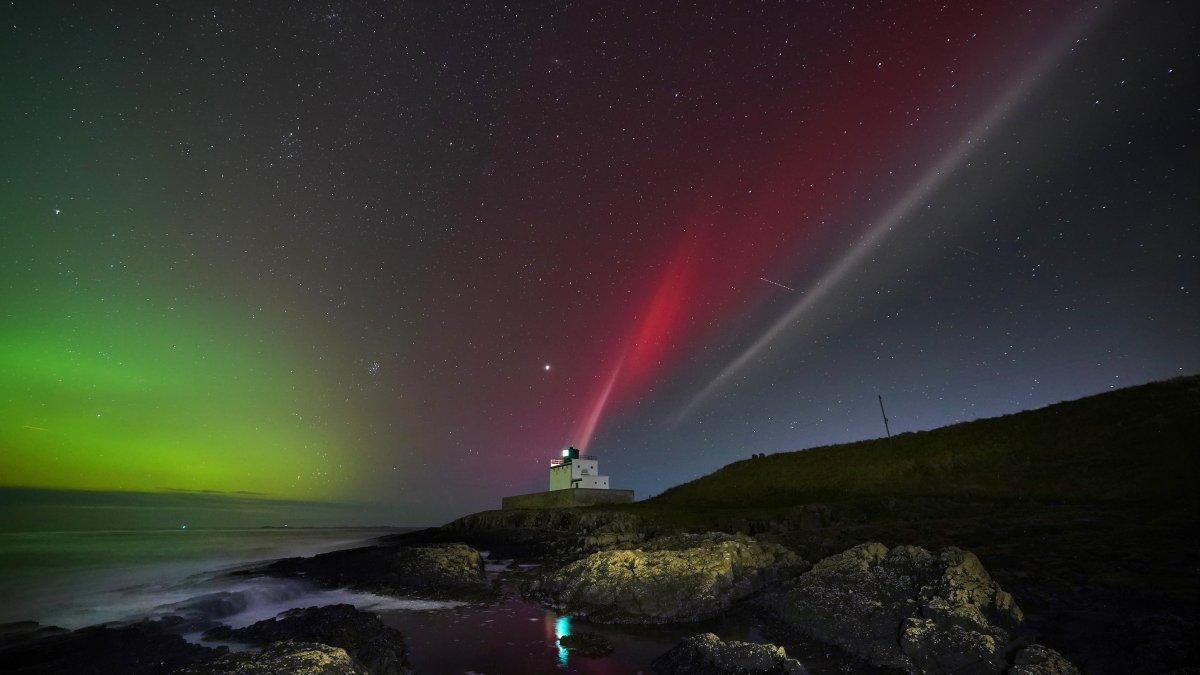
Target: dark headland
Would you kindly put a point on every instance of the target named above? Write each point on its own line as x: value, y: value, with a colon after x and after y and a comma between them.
x: 1021, y: 544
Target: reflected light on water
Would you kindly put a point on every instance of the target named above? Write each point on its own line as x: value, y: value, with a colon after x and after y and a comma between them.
x: 562, y: 626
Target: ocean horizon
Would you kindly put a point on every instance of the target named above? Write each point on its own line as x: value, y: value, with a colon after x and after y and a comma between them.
x: 76, y: 578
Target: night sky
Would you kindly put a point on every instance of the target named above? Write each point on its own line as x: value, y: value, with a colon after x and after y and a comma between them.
x: 402, y: 253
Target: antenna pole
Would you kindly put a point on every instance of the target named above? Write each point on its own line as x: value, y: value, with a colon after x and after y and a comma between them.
x: 885, y: 419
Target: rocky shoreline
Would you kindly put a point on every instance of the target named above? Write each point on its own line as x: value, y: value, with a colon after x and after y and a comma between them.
x: 900, y: 609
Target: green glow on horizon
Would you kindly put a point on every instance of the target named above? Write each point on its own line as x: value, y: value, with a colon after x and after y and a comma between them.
x: 101, y: 395
x: 160, y: 324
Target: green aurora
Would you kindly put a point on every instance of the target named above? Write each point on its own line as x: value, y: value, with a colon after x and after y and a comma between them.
x: 134, y: 355
x: 111, y: 394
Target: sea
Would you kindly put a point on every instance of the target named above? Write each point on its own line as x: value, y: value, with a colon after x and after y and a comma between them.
x: 77, y: 579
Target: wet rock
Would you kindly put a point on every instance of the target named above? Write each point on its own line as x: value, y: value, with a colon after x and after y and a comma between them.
x: 586, y: 644
x: 670, y: 579
x: 375, y: 646
x: 23, y: 632
x: 707, y: 654
x: 143, y: 648
x: 906, y: 608
x: 1039, y: 660
x: 284, y: 658
x: 442, y: 572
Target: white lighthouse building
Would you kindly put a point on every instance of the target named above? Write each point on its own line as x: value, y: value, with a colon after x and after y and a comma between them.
x: 574, y: 481
x: 573, y: 471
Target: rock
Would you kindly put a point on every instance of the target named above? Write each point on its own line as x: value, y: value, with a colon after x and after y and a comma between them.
x: 23, y: 632
x: 678, y: 578
x: 548, y: 533
x: 575, y: 521
x: 284, y: 658
x: 707, y: 654
x: 1039, y: 660
x: 586, y: 644
x: 364, y: 637
x: 803, y: 517
x: 143, y: 648
x: 454, y: 569
x: 442, y: 572
x: 906, y: 608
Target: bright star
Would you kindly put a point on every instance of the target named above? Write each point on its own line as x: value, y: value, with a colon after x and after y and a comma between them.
x: 547, y: 366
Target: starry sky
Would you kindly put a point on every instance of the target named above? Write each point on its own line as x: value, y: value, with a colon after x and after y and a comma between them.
x: 397, y: 255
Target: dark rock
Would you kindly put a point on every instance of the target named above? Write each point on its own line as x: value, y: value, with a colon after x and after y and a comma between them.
x: 284, y: 658
x: 906, y: 608
x: 576, y: 521
x: 587, y: 644
x: 443, y: 572
x: 377, y: 647
x: 707, y: 654
x: 797, y: 518
x: 23, y: 632
x: 1039, y: 660
x: 670, y: 579
x: 143, y: 648
x: 549, y: 533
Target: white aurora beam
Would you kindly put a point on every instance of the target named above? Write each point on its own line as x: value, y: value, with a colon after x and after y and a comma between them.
x: 928, y: 183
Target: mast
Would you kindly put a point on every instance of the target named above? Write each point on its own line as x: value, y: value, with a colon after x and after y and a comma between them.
x: 885, y: 419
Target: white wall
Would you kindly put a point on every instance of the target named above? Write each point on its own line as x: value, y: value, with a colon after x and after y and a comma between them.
x: 584, y: 467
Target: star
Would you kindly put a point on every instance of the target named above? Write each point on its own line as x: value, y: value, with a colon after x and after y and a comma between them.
x: 547, y: 366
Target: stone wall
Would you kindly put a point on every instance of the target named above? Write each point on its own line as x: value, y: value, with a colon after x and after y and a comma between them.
x: 564, y: 499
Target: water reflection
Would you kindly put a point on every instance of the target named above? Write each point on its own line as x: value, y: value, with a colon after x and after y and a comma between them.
x: 562, y: 626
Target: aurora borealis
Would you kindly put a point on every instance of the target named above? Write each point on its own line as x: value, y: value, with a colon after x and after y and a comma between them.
x: 327, y: 252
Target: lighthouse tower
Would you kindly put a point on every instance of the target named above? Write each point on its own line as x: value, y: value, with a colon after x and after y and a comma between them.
x: 573, y: 471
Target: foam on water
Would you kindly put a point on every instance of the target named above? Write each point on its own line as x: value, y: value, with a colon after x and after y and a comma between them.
x: 80, y: 579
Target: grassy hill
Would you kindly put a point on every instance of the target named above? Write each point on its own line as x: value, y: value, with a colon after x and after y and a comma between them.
x: 1136, y: 443
x: 1086, y: 511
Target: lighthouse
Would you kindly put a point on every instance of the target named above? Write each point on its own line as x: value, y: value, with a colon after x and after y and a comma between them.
x: 575, y: 480
x: 574, y: 472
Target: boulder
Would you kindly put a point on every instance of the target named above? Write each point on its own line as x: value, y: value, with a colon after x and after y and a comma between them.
x: 586, y: 644
x: 1039, y: 660
x: 141, y: 648
x: 906, y: 608
x: 284, y: 658
x: 442, y: 572
x: 378, y: 648
x: 707, y: 654
x: 670, y: 579
x: 18, y: 633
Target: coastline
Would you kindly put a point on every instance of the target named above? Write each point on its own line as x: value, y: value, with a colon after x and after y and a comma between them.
x: 529, y: 546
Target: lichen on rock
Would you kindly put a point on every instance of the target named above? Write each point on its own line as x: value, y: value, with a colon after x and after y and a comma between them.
x: 707, y: 654
x: 374, y: 645
x: 284, y: 658
x: 584, y: 643
x: 451, y: 571
x: 676, y: 578
x: 1040, y: 660
x: 906, y: 608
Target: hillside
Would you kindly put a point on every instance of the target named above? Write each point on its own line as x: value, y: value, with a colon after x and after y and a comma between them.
x: 1086, y: 511
x: 1134, y: 443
